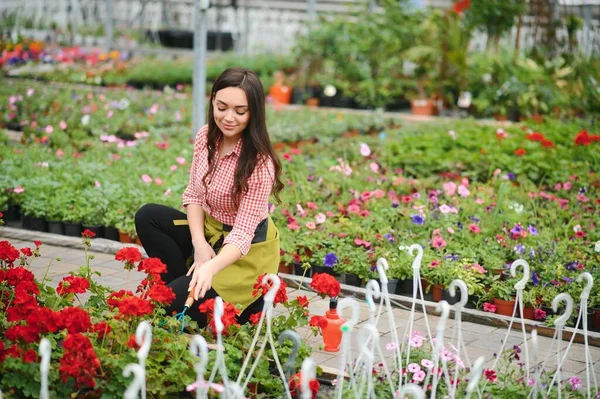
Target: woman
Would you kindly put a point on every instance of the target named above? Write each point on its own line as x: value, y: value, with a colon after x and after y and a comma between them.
x: 227, y: 235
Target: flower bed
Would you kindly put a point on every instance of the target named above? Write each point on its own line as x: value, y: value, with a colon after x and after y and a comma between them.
x: 475, y: 197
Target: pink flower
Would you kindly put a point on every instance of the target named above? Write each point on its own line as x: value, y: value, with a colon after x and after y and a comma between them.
x: 293, y: 225
x: 539, y: 314
x: 379, y: 193
x: 390, y: 346
x: 97, y: 184
x: 168, y: 191
x: 419, y: 376
x: 474, y: 228
x: 374, y: 167
x: 490, y: 375
x: 479, y: 201
x: 497, y: 172
x: 428, y: 364
x: 63, y: 125
x: 365, y: 151
x: 445, y: 209
x: 30, y: 92
x: 154, y: 108
x: 173, y: 168
x: 477, y: 267
x: 109, y: 114
x: 450, y: 230
x: 311, y: 225
x: 320, y: 218
x: 301, y: 210
x: 353, y: 208
x: 416, y: 340
x: 567, y: 186
x: 49, y: 129
x: 180, y: 160
x: 438, y: 242
x: 575, y: 383
x: 463, y: 191
x: 488, y: 307
x: 146, y: 179
x: 286, y: 156
x: 18, y: 190
x: 158, y: 181
x: 360, y: 242
x: 364, y: 213
x: 450, y: 188
x: 311, y: 205
x: 434, y: 263
x: 365, y: 196
x: 557, y: 186
x: 413, y: 367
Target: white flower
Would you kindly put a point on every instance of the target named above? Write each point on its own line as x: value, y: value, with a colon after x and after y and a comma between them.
x: 597, y: 246
x: 85, y: 119
x: 577, y: 228
x: 518, y: 208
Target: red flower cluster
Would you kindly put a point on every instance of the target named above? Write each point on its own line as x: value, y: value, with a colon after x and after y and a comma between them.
x: 87, y: 233
x: 130, y: 256
x: 8, y: 254
x: 161, y: 294
x: 318, y: 321
x: 134, y: 307
x: 152, y: 266
x: 537, y: 136
x: 584, y: 138
x: 16, y: 275
x: 255, y: 318
x: 72, y: 285
x: 75, y: 320
x: 102, y: 329
x: 262, y: 289
x: 302, y: 301
x: 325, y: 285
x: 79, y: 361
x: 520, y: 152
x: 461, y: 5
x: 229, y: 318
x: 115, y: 297
x: 295, y: 386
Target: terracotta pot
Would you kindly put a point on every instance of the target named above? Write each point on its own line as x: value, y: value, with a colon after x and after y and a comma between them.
x: 138, y: 242
x: 312, y: 102
x: 596, y: 319
x: 279, y: 146
x: 504, y: 307
x: 500, y: 118
x: 537, y: 118
x: 287, y: 269
x: 437, y: 292
x: 281, y: 94
x: 528, y: 313
x: 252, y: 390
x: 424, y: 107
x: 126, y: 238
x: 352, y: 133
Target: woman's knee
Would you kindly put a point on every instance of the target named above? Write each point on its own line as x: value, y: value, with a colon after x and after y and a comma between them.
x: 145, y: 214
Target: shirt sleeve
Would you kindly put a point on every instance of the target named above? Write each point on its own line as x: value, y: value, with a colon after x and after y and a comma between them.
x: 253, y: 207
x: 194, y: 193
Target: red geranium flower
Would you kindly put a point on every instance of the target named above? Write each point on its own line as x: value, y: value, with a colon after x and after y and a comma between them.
x: 262, y: 289
x: 72, y: 285
x: 583, y: 138
x: 318, y: 321
x: 87, y: 233
x: 26, y: 251
x: 129, y: 255
x: 45, y: 320
x: 27, y: 334
x: 295, y: 386
x: 16, y: 275
x: 132, y: 343
x: 8, y: 253
x: 102, y: 329
x: 547, y: 143
x: 76, y: 320
x: 255, y: 318
x: 520, y: 152
x: 37, y: 243
x: 79, y: 361
x: 229, y: 318
x: 325, y: 285
x: 302, y: 301
x: 152, y: 266
x: 536, y: 136
x: 135, y: 307
x: 161, y: 294
x: 115, y: 297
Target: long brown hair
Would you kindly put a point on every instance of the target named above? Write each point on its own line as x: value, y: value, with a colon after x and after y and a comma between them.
x: 256, y: 144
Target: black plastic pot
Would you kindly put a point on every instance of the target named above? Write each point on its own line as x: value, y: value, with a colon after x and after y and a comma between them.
x: 299, y: 96
x: 38, y: 224
x: 73, y: 229
x: 451, y: 299
x: 299, y: 270
x: 391, y: 286
x: 56, y: 227
x: 97, y: 229
x: 12, y: 215
x: 26, y: 222
x: 14, y: 126
x: 323, y: 269
x: 111, y: 233
x: 405, y: 287
x: 352, y: 279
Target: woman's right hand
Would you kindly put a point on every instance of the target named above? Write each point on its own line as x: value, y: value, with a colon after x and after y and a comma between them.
x: 203, y: 252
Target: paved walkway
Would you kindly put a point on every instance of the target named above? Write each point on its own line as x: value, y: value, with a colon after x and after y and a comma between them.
x: 481, y: 340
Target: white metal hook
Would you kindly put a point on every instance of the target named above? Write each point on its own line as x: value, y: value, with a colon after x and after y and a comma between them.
x: 136, y: 385
x: 372, y: 290
x: 349, y: 303
x: 369, y: 332
x: 412, y: 389
x: 444, y: 309
x: 564, y: 317
x: 476, y: 372
x: 295, y: 338
x: 199, y: 347
x: 464, y: 293
x: 143, y: 337
x: 218, y: 314
x: 382, y: 266
x: 44, y: 350
x: 417, y: 262
x: 585, y: 294
x: 275, y: 284
x: 520, y: 285
x: 308, y: 374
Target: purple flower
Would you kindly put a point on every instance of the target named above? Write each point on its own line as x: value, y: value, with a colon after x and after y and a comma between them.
x: 459, y: 224
x: 451, y: 256
x: 473, y: 218
x: 572, y: 266
x: 417, y: 219
x: 532, y: 253
x: 517, y: 229
x: 310, y: 177
x: 567, y: 279
x: 394, y: 205
x: 582, y: 191
x: 534, y: 278
x: 532, y: 230
x: 330, y: 259
x: 390, y: 238
x: 511, y: 176
x: 575, y: 383
x: 519, y: 248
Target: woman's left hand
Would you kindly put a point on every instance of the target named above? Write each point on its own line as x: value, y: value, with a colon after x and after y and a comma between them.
x: 201, y: 280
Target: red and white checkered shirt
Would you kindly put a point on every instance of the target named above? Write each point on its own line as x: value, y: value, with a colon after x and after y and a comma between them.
x: 217, y: 199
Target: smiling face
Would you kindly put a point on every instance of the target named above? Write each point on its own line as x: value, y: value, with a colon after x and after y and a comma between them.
x: 231, y: 112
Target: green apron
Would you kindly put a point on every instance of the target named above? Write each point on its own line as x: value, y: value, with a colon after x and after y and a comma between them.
x: 236, y: 282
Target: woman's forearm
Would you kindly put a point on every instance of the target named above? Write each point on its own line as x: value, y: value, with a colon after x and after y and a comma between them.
x: 195, y: 217
x: 228, y: 255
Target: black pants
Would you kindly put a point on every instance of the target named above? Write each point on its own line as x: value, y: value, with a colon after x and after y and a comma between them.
x: 173, y: 246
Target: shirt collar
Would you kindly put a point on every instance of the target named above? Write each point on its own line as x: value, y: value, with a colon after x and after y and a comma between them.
x: 236, y: 150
